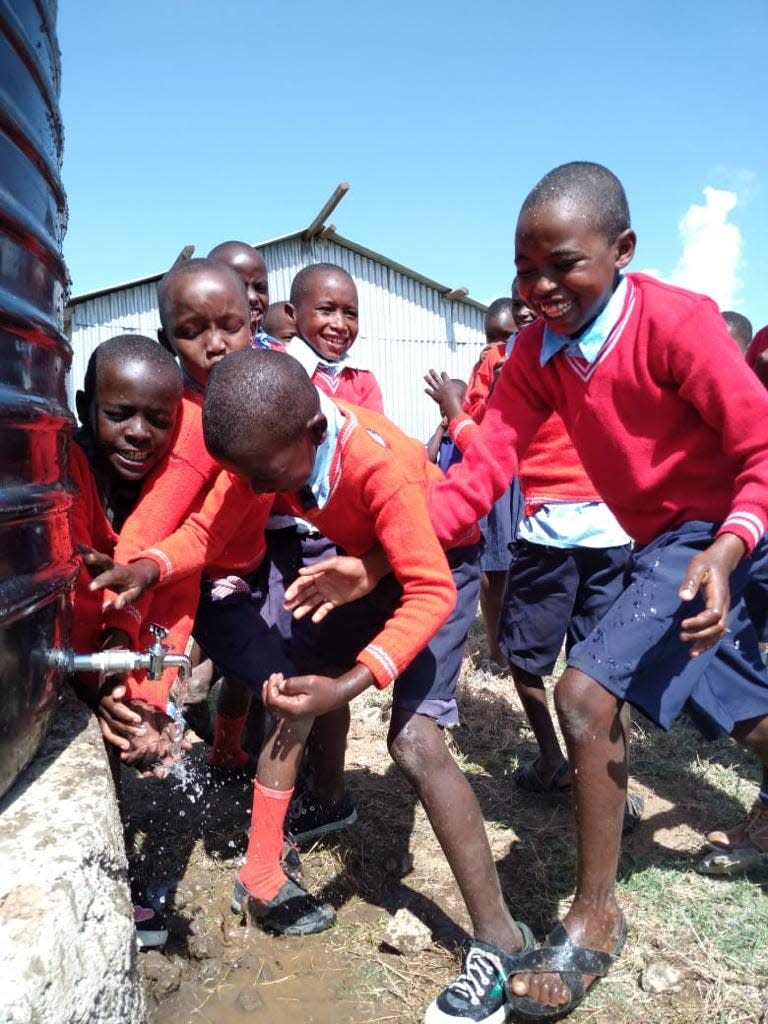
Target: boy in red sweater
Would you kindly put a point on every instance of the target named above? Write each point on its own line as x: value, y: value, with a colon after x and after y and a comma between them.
x: 324, y: 308
x: 129, y: 409
x: 362, y: 482
x: 205, y: 314
x: 672, y: 429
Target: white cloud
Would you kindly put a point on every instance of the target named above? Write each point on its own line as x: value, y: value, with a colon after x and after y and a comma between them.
x: 711, y: 255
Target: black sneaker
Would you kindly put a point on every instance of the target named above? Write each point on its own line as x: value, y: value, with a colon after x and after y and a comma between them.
x: 151, y: 929
x: 633, y: 813
x: 478, y: 995
x: 309, y: 820
x: 291, y: 861
x: 292, y: 912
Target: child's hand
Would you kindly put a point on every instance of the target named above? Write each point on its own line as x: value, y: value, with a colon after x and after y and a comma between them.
x: 326, y: 585
x: 710, y: 572
x: 128, y: 581
x: 118, y: 724
x: 95, y: 561
x: 158, y: 744
x: 301, y: 696
x: 441, y: 389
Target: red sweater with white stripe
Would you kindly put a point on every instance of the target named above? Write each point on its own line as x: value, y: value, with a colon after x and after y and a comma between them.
x: 670, y: 423
x: 379, y: 484
x: 359, y: 387
x: 173, y: 607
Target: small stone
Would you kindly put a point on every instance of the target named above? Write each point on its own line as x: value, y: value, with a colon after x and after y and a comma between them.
x: 249, y: 1000
x: 163, y: 975
x: 659, y: 976
x: 201, y: 947
x: 407, y: 934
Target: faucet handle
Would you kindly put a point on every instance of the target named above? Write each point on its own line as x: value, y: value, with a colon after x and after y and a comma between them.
x: 158, y: 632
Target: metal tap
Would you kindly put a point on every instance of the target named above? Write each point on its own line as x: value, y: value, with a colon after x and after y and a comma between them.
x: 154, y: 660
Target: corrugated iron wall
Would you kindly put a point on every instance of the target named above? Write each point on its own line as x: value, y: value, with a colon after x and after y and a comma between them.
x: 406, y: 326
x: 36, y: 560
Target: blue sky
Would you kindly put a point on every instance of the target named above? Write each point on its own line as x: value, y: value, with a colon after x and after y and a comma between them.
x: 194, y: 121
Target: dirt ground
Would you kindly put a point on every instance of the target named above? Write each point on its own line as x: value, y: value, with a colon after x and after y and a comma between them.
x: 186, y: 834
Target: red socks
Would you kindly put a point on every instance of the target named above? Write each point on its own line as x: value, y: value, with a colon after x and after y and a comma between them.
x: 226, y: 751
x: 262, y: 874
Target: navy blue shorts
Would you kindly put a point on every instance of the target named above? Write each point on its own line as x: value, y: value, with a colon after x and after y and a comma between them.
x: 249, y: 634
x: 636, y: 653
x: 499, y: 528
x: 554, y: 594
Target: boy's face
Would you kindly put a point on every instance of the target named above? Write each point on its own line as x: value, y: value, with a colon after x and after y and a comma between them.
x: 286, y: 468
x: 133, y: 416
x: 499, y: 328
x: 250, y: 266
x: 326, y: 316
x: 523, y: 314
x: 566, y: 270
x: 279, y: 322
x: 209, y: 319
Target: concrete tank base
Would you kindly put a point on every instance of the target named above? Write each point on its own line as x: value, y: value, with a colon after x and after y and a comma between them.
x: 68, y: 951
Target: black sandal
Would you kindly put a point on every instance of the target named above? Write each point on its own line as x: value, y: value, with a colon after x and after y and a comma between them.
x: 528, y: 777
x: 561, y: 956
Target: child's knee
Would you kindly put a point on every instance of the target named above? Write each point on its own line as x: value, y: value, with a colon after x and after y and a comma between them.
x: 581, y: 704
x: 411, y: 744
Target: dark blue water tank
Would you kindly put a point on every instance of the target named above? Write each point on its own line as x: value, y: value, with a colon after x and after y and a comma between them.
x: 36, y: 561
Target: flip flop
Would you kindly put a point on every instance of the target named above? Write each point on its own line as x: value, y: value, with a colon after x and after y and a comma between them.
x: 560, y: 955
x: 528, y: 777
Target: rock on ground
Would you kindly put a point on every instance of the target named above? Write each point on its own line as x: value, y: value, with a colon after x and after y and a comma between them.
x: 407, y: 934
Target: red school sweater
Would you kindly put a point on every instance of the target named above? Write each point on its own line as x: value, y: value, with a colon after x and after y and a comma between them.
x: 359, y: 387
x: 669, y: 422
x: 481, y: 380
x: 379, y: 484
x: 173, y: 608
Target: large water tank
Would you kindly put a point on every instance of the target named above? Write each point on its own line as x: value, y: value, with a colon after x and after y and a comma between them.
x: 36, y: 561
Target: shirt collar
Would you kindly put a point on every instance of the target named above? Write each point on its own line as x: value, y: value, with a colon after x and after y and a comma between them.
x: 317, y: 490
x: 312, y: 360
x: 588, y: 345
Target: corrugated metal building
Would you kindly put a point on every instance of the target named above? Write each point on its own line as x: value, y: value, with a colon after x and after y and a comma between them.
x: 408, y: 323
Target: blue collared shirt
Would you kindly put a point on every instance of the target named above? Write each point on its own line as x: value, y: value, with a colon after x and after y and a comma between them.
x: 319, y: 484
x: 592, y: 340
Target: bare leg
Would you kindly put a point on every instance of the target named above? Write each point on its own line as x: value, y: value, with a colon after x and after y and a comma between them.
x: 327, y: 749
x: 533, y: 696
x: 597, y: 749
x: 492, y: 585
x: 418, y: 747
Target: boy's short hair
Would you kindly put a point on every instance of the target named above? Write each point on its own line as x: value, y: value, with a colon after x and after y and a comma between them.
x: 125, y: 347
x: 590, y: 186
x: 185, y: 269
x: 256, y: 390
x: 739, y: 327
x: 301, y: 283
x: 499, y: 306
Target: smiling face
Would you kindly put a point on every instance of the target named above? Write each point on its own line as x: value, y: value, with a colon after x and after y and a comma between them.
x: 248, y: 264
x: 133, y: 415
x: 208, y: 318
x: 566, y: 269
x: 326, y: 314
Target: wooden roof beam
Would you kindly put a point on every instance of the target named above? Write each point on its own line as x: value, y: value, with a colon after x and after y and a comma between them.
x: 317, y: 224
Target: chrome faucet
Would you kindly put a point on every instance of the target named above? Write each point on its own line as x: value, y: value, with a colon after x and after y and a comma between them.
x: 154, y: 660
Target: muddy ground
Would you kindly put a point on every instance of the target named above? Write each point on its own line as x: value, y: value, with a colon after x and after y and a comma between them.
x: 185, y: 837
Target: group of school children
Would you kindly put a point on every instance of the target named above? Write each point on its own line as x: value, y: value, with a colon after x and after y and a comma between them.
x: 239, y: 483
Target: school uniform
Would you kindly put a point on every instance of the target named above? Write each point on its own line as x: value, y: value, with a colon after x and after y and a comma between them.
x: 672, y: 429
x: 568, y: 559
x: 172, y: 607
x: 369, y: 486
x: 500, y: 525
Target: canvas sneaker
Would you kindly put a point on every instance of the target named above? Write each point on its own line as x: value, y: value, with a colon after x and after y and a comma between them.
x: 308, y: 819
x: 478, y: 995
x: 151, y: 928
